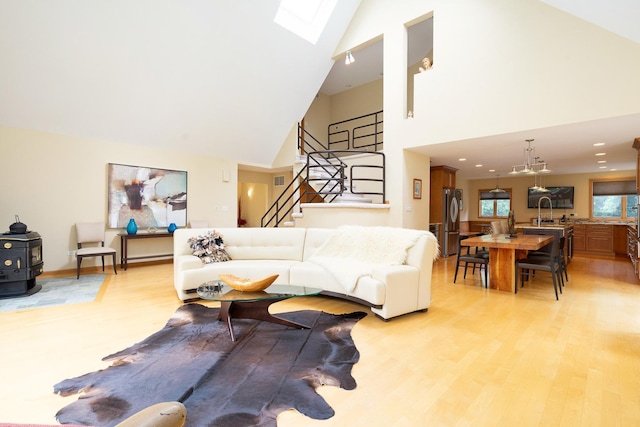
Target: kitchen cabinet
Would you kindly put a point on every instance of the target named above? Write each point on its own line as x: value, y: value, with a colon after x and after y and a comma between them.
x: 620, y: 239
x: 632, y: 247
x: 441, y: 177
x: 636, y: 145
x: 579, y: 238
x: 601, y: 239
x: 593, y: 239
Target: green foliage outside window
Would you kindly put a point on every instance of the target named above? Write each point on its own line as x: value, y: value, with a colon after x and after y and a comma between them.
x: 494, y: 205
x: 614, y: 206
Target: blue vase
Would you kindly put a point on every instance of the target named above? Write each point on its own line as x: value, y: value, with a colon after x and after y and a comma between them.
x: 132, y: 227
x: 172, y: 227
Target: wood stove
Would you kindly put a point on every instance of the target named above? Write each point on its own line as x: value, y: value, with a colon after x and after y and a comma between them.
x: 20, y: 263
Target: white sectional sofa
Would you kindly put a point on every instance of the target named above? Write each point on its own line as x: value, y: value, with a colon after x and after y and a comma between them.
x: 387, y: 269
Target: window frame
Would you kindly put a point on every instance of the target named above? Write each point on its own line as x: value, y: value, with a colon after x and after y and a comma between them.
x: 623, y: 208
x: 495, y: 207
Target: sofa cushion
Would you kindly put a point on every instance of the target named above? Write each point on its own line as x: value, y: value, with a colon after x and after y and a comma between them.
x: 311, y: 274
x: 209, y: 247
x: 314, y: 239
x: 353, y: 251
x: 265, y: 243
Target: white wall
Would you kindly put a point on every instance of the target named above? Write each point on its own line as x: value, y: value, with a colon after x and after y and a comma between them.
x: 502, y: 66
x: 499, y: 66
x: 53, y: 181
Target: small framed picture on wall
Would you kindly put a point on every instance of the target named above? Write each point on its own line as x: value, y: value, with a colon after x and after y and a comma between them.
x: 417, y: 189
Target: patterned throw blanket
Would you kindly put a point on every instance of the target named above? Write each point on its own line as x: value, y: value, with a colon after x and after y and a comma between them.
x: 354, y: 251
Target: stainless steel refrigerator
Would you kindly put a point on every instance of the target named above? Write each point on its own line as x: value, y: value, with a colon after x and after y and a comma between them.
x: 451, y: 206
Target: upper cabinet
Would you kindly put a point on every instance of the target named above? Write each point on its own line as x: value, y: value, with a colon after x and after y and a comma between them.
x: 441, y: 177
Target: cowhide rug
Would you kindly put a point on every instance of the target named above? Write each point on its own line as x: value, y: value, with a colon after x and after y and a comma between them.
x: 269, y: 369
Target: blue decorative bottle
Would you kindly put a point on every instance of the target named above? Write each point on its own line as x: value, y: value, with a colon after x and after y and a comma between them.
x: 172, y: 227
x: 132, y: 227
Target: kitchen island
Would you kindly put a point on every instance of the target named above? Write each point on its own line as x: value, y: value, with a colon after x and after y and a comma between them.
x: 556, y: 230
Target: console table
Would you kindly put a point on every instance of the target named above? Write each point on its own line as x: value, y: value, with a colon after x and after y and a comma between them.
x: 124, y: 246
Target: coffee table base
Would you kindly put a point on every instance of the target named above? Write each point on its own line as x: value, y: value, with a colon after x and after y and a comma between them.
x: 258, y: 310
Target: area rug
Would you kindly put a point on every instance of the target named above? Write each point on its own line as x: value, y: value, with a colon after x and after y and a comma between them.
x: 269, y: 369
x: 58, y: 291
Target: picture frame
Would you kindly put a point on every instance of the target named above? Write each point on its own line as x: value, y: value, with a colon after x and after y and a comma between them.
x: 417, y: 188
x: 153, y: 197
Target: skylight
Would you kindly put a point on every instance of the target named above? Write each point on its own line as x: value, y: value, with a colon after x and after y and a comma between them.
x: 305, y: 18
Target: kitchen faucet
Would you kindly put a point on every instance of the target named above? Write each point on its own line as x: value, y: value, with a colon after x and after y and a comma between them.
x: 540, y: 205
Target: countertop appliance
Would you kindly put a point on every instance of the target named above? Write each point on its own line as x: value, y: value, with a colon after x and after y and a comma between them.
x: 451, y: 207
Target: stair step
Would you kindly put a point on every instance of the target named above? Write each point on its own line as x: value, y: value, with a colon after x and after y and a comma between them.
x: 352, y: 198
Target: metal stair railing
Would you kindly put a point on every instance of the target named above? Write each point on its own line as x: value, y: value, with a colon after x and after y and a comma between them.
x: 357, y: 133
x: 326, y: 162
x: 283, y: 206
x: 335, y: 181
x: 332, y: 174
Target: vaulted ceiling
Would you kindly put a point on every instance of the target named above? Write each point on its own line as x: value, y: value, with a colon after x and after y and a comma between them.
x: 213, y: 77
x: 217, y: 78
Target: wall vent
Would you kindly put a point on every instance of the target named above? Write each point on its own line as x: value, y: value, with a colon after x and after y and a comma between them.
x: 278, y: 180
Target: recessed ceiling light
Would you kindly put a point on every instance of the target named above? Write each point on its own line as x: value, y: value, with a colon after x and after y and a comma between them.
x: 601, y: 154
x: 492, y: 170
x: 598, y: 144
x: 602, y: 161
x: 462, y: 159
x: 602, y: 167
x: 479, y: 166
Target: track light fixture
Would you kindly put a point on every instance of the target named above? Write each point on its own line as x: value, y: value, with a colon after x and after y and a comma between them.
x: 348, y: 58
x: 532, y: 164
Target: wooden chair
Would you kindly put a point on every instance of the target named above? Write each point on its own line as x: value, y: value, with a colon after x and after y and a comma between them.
x: 466, y: 257
x: 500, y: 227
x: 92, y: 233
x: 562, y: 256
x: 546, y: 259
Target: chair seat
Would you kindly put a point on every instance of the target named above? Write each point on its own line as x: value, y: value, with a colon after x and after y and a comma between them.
x: 90, y: 238
x: 466, y: 257
x: 95, y: 251
x: 547, y: 260
x: 537, y: 263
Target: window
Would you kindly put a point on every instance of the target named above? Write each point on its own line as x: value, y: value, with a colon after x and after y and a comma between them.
x: 614, y: 199
x: 307, y: 18
x: 494, y: 205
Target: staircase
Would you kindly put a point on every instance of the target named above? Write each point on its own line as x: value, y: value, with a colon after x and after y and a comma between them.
x: 320, y: 177
x: 323, y: 175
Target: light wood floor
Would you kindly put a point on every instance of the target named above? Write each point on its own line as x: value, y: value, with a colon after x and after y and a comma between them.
x: 477, y: 358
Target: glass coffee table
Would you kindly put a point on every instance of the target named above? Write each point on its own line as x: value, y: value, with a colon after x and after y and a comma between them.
x: 252, y: 305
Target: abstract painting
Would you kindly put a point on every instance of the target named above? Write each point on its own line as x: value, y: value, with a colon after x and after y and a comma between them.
x: 153, y: 197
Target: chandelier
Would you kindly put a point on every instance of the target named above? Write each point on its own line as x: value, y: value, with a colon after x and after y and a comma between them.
x: 532, y: 164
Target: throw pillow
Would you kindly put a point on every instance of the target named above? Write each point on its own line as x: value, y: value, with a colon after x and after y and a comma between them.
x: 209, y: 248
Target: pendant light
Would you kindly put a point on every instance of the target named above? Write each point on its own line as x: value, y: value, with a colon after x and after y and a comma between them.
x: 497, y: 189
x: 531, y: 163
